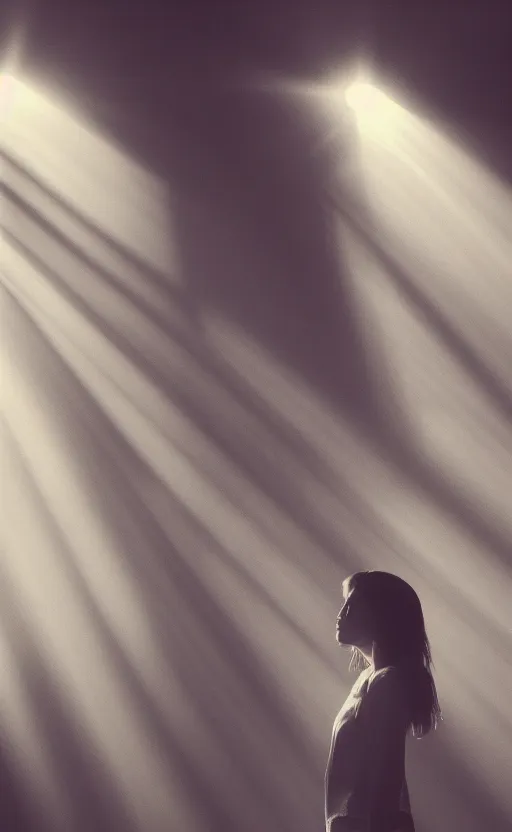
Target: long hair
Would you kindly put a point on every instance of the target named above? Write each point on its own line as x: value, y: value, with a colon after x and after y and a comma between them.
x: 398, y: 628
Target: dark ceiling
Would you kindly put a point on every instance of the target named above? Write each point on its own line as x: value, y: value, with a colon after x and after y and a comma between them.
x: 456, y: 54
x: 140, y: 57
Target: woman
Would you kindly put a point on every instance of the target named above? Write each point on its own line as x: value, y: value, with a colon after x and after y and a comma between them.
x: 365, y: 786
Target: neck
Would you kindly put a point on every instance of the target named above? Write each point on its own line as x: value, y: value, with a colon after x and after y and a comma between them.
x: 376, y: 657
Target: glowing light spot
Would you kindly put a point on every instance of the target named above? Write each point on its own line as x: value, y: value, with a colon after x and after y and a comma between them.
x: 364, y: 97
x: 375, y: 112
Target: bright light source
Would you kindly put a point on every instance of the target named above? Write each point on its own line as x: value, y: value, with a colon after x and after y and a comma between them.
x: 375, y: 112
x: 369, y: 103
x: 363, y: 97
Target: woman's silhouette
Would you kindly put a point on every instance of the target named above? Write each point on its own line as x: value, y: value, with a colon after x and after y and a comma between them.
x: 365, y: 785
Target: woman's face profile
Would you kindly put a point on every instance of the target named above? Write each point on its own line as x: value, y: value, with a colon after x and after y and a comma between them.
x: 353, y: 621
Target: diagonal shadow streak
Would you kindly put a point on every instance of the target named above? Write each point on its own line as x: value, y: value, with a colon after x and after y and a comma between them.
x: 107, y: 436
x: 283, y: 488
x: 289, y: 497
x: 87, y: 785
x: 178, y: 575
x: 257, y: 248
x: 454, y: 341
x: 161, y: 319
x: 191, y: 342
x: 158, y: 278
x: 457, y: 345
x: 404, y: 452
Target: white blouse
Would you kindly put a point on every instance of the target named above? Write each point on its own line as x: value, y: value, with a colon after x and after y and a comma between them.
x: 365, y: 777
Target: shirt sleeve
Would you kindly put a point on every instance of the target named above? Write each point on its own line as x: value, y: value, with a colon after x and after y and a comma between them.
x: 384, y: 723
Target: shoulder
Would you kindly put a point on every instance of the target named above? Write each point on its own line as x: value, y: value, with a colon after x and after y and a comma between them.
x: 387, y: 678
x: 386, y: 693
